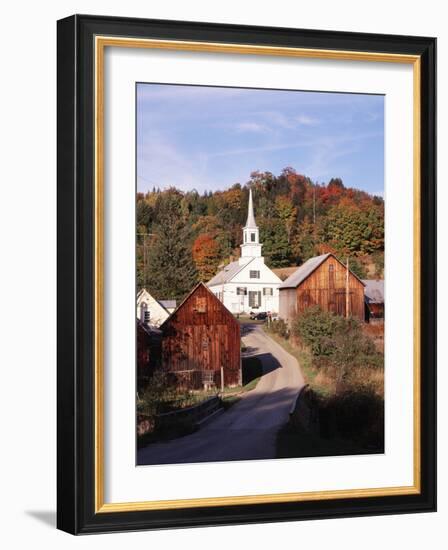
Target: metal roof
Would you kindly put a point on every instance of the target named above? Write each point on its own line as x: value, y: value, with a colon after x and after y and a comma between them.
x: 374, y: 291
x: 304, y: 271
x: 168, y: 304
x: 228, y: 273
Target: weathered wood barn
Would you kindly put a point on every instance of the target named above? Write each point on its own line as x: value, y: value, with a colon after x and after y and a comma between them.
x: 323, y: 281
x: 201, y: 340
x: 374, y: 298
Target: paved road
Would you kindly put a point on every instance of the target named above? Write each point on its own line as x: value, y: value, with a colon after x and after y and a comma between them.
x: 248, y: 429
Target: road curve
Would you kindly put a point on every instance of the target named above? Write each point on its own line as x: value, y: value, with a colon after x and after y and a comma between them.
x: 248, y: 429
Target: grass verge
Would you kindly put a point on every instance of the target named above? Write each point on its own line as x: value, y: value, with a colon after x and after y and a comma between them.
x: 351, y: 412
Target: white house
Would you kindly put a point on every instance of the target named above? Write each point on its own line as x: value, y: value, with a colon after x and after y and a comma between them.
x: 248, y: 284
x: 149, y: 310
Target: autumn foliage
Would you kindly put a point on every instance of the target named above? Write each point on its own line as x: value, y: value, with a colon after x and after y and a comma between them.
x: 298, y: 218
x: 206, y: 256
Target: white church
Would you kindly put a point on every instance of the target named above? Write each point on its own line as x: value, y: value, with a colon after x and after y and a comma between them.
x: 248, y: 284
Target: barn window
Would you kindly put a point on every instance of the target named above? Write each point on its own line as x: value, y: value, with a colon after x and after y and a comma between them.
x: 254, y: 298
x: 254, y: 274
x: 201, y: 304
x: 241, y: 291
x: 267, y: 291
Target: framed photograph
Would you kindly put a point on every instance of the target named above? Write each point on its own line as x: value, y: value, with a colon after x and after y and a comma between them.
x: 247, y: 274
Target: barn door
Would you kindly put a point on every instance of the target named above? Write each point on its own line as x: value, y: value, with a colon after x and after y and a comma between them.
x: 340, y: 303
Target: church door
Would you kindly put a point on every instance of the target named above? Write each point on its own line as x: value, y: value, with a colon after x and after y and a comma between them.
x: 254, y: 298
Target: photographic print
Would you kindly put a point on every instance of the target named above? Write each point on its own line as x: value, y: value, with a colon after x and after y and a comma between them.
x: 259, y: 274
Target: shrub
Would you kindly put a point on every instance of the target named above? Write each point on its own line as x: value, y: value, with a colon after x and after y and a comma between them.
x: 316, y: 329
x: 349, y: 380
x: 162, y: 395
x: 279, y: 327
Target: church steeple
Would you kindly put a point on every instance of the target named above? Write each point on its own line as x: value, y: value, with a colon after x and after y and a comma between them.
x: 250, y: 223
x: 251, y: 247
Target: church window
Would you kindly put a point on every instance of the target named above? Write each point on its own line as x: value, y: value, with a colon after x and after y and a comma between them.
x: 254, y: 274
x: 252, y: 237
x: 241, y: 291
x: 267, y: 291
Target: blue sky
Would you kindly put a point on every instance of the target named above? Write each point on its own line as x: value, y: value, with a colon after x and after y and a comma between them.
x: 206, y: 138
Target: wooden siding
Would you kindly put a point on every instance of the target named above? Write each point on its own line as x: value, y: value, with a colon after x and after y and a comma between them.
x: 199, y: 338
x: 325, y: 287
x: 374, y: 311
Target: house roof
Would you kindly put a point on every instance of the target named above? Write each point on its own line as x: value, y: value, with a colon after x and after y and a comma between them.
x: 374, y: 291
x: 305, y: 270
x: 164, y: 304
x: 141, y: 292
x: 149, y: 329
x: 228, y: 273
x: 168, y: 304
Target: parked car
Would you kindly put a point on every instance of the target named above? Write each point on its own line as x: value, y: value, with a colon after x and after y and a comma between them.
x: 260, y: 316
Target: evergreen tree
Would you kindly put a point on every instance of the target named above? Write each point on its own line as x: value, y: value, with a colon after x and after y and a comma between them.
x: 276, y: 248
x: 171, y: 270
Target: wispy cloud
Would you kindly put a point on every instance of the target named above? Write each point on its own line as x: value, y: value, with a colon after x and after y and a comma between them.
x: 306, y: 120
x: 209, y: 138
x: 250, y: 127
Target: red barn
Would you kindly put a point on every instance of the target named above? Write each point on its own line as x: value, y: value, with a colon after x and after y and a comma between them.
x: 374, y: 296
x: 201, y: 339
x: 323, y: 281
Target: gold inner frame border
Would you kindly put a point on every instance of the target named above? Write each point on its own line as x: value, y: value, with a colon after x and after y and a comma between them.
x: 101, y: 42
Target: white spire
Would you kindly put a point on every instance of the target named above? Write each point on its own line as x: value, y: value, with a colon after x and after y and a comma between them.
x: 251, y: 247
x: 250, y: 223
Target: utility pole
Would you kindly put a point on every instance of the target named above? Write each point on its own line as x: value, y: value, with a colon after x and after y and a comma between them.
x: 144, y: 235
x: 347, y: 295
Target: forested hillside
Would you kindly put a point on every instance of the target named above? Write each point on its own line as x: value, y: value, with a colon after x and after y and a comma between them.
x: 183, y: 237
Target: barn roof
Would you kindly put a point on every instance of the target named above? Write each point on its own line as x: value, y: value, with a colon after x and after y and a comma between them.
x: 228, y: 273
x: 374, y: 291
x: 305, y: 270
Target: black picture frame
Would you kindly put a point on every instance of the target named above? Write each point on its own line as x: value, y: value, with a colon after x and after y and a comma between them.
x: 76, y: 512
